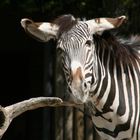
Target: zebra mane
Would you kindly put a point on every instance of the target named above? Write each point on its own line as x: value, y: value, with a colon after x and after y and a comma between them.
x: 65, y: 23
x: 123, y: 50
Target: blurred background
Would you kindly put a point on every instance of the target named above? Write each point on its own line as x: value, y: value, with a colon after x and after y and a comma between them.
x: 30, y: 69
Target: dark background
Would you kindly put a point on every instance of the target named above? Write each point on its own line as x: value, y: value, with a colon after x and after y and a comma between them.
x: 27, y: 67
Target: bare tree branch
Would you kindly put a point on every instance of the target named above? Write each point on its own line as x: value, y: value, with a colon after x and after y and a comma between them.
x: 7, y: 114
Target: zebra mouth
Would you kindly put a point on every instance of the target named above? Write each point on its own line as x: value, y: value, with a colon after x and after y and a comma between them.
x: 80, y: 92
x: 81, y: 97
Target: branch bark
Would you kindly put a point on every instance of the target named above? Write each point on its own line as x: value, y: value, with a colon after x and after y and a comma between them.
x: 7, y: 114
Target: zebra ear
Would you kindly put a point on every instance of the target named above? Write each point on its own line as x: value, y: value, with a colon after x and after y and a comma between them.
x: 42, y: 31
x: 102, y: 24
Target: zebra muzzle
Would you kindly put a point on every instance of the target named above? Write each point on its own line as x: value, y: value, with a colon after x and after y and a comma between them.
x: 77, y: 75
x: 79, y: 87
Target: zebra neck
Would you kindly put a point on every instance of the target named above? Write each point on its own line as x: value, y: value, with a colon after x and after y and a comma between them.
x: 102, y: 85
x: 103, y: 92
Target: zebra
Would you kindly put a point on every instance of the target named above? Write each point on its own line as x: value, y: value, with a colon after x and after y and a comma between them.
x: 102, y: 70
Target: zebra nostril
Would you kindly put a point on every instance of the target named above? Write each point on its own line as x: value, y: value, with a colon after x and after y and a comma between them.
x: 85, y: 85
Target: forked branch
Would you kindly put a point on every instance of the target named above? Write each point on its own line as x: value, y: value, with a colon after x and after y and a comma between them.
x: 7, y: 114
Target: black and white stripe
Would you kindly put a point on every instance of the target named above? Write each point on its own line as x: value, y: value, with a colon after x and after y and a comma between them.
x: 74, y: 48
x: 113, y: 73
x: 116, y: 96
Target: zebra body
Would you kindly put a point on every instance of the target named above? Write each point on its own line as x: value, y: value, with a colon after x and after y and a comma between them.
x: 101, y: 70
x: 116, y: 97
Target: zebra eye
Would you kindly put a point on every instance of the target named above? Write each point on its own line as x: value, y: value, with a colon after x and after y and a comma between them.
x: 60, y: 50
x: 88, y: 42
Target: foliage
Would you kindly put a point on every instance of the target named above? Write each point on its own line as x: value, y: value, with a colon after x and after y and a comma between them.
x: 77, y: 7
x: 42, y: 9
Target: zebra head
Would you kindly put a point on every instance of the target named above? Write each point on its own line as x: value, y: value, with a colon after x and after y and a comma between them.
x: 75, y: 40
